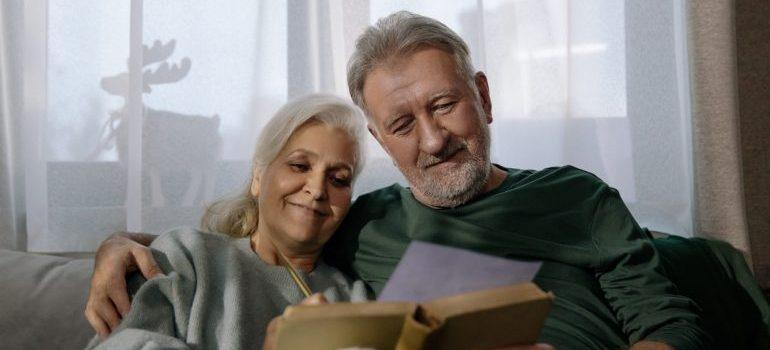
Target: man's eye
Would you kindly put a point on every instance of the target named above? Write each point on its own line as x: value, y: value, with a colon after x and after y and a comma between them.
x: 404, y: 128
x: 299, y: 167
x: 443, y: 107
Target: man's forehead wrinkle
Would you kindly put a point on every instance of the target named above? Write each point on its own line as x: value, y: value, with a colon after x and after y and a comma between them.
x: 416, y: 92
x: 401, y: 94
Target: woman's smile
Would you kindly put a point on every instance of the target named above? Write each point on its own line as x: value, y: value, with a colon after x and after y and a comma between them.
x: 307, y: 210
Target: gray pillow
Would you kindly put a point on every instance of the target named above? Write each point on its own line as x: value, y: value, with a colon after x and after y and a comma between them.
x: 42, y: 299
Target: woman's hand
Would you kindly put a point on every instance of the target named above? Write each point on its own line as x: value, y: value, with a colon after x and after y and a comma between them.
x: 108, y: 300
x: 270, y: 335
x: 315, y: 299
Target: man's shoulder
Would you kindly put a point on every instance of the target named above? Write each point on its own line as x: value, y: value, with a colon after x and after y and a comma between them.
x: 378, y: 199
x: 559, y: 178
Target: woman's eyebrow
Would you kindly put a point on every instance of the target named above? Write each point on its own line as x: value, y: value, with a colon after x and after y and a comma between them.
x: 341, y: 165
x: 302, y: 152
x: 334, y: 165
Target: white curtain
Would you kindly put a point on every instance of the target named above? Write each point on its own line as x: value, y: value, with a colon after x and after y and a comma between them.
x: 11, y: 179
x: 131, y: 115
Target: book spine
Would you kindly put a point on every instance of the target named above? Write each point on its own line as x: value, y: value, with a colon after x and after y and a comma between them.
x: 413, y: 335
x: 417, y: 330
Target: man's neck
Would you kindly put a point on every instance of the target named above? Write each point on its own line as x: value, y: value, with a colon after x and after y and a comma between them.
x: 495, y: 179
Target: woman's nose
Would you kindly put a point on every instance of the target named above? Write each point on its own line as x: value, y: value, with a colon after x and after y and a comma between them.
x: 315, y: 186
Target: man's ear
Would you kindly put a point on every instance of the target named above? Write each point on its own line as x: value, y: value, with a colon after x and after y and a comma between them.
x: 254, y: 189
x: 483, y: 87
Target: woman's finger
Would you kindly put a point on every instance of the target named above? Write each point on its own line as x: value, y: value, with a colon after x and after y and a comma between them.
x: 315, y: 299
x: 270, y: 337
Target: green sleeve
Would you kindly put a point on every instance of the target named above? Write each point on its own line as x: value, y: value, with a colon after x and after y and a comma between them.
x: 645, y: 302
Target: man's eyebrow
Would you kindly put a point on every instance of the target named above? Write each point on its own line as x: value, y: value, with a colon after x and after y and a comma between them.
x: 441, y: 94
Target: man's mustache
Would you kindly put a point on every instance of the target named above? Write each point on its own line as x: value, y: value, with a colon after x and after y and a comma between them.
x: 425, y: 160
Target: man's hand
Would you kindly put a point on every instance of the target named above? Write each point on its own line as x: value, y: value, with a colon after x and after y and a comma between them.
x: 108, y: 300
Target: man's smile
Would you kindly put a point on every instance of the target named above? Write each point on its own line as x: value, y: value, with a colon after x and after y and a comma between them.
x: 452, y: 158
x: 449, y: 152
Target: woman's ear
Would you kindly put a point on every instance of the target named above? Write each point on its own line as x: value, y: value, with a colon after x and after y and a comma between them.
x: 254, y: 183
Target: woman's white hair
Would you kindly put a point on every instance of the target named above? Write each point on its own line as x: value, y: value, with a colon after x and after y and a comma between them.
x: 397, y: 35
x: 238, y: 215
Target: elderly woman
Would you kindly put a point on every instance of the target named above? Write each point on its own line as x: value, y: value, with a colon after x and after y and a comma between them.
x: 220, y: 290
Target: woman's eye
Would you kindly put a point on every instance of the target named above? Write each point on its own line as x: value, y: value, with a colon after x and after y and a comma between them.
x: 299, y: 167
x: 340, y: 181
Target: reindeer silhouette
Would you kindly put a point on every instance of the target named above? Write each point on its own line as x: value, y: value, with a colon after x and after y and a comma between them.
x: 172, y: 143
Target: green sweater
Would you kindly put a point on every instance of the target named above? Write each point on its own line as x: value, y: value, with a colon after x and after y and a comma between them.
x: 606, y: 275
x: 217, y: 294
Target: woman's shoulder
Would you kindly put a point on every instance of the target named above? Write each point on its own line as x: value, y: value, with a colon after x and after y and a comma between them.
x: 195, y: 246
x: 193, y: 254
x: 192, y: 238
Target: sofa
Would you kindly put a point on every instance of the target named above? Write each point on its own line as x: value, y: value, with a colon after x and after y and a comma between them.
x: 42, y: 297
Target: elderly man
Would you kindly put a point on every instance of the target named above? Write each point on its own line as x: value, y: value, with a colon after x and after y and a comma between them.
x: 430, y: 111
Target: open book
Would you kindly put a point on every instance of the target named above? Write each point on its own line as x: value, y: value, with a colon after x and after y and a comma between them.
x: 437, y: 298
x: 477, y: 320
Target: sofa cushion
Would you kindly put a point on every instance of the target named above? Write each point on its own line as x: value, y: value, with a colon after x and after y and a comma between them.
x: 715, y: 275
x: 42, y: 299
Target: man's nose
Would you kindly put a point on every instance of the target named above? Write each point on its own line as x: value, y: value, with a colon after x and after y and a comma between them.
x: 315, y: 186
x: 433, y: 136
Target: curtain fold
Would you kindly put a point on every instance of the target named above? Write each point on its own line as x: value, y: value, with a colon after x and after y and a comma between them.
x: 720, y: 209
x: 753, y: 50
x: 731, y: 116
x: 12, y: 225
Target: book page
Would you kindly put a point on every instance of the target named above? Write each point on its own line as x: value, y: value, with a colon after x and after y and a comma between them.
x: 429, y: 271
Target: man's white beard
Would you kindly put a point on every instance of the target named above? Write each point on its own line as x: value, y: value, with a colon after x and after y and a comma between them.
x: 452, y: 188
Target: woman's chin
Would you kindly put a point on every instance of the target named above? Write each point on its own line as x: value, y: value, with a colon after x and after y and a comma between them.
x: 305, y: 242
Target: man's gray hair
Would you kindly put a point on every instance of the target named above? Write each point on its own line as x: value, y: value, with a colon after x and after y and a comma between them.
x: 397, y: 35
